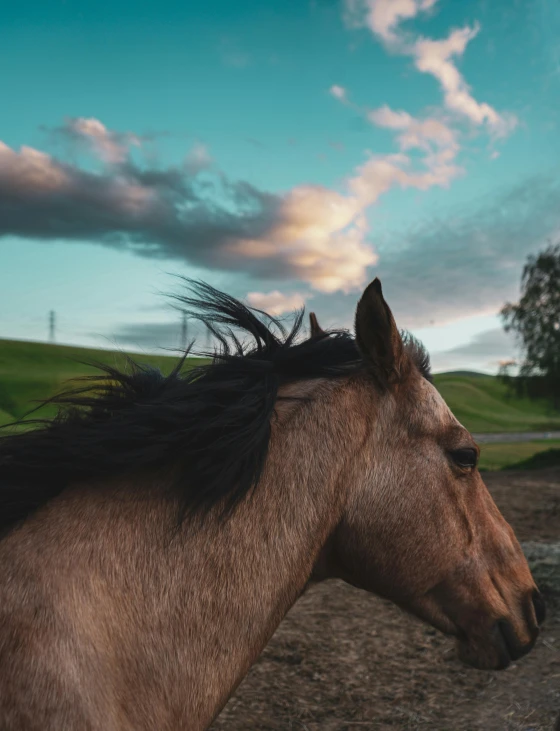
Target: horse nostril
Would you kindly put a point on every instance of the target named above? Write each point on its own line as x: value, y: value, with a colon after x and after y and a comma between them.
x: 540, y: 609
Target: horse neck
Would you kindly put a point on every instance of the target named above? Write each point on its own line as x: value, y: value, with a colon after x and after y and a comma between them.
x: 251, y: 569
x: 164, y: 625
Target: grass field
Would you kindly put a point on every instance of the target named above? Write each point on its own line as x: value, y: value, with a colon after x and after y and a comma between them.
x: 31, y: 371
x: 483, y: 404
x: 518, y: 454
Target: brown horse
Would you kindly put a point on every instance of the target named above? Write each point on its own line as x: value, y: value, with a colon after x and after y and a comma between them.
x: 156, y: 533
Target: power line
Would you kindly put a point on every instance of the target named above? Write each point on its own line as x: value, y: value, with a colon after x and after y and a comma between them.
x: 52, y: 319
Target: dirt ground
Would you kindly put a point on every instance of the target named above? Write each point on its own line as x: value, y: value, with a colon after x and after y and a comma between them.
x: 344, y: 660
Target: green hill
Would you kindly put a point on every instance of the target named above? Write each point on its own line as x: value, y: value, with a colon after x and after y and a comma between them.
x: 33, y: 371
x: 483, y: 404
x: 472, y: 374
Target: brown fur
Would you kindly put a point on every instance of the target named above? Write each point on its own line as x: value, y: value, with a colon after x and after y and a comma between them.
x: 111, y: 619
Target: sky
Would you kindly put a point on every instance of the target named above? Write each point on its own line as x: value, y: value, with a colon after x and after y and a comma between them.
x: 286, y: 151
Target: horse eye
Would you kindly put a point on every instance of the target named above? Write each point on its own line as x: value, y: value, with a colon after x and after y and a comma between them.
x: 464, y: 457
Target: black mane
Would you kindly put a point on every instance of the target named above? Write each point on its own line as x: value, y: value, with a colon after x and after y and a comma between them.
x: 212, y: 421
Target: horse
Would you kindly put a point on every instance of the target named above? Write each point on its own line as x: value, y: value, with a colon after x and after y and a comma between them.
x: 155, y: 533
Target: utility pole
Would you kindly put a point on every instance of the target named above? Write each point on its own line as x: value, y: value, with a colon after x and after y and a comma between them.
x: 52, y: 318
x: 184, y: 331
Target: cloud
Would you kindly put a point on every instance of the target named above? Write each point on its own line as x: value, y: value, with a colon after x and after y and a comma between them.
x: 43, y: 198
x: 437, y: 135
x: 160, y: 335
x: 339, y: 92
x: 495, y: 344
x: 275, y: 302
x: 310, y: 232
x: 90, y: 134
x: 435, y: 57
x: 384, y: 16
x: 414, y: 132
x: 153, y: 335
x: 465, y: 264
x: 470, y: 262
x: 198, y: 159
x: 383, y: 172
x: 449, y: 269
x: 486, y: 351
x: 436, y: 139
x: 195, y: 213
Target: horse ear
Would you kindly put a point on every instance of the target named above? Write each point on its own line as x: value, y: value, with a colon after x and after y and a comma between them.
x: 314, y: 326
x: 377, y: 336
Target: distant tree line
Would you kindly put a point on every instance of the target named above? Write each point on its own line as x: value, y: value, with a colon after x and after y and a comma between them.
x: 535, y: 320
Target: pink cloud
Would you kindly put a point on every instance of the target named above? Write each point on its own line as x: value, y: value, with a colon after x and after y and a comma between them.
x: 275, y: 302
x: 313, y: 233
x: 31, y: 170
x: 310, y: 232
x: 321, y: 233
x: 110, y: 147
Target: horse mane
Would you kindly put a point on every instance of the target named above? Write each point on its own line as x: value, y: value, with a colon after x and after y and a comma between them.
x: 212, y: 421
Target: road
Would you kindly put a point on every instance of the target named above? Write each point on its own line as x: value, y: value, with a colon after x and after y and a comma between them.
x: 527, y: 436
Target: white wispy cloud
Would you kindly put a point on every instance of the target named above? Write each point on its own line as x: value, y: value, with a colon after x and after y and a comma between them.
x: 339, y: 92
x: 434, y: 57
x: 420, y: 133
x: 436, y: 135
x: 384, y: 16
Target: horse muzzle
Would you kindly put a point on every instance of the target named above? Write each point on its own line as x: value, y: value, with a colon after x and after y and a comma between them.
x: 504, y: 643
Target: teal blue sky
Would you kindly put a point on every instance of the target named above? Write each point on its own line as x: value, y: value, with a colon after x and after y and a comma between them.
x: 255, y: 115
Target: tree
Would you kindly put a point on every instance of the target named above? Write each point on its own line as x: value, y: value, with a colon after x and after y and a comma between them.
x: 535, y: 319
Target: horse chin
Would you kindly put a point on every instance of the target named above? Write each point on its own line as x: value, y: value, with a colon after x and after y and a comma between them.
x: 482, y: 658
x: 497, y: 652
